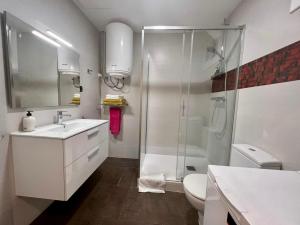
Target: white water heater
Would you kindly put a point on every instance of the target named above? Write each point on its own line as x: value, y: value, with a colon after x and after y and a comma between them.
x: 119, y: 43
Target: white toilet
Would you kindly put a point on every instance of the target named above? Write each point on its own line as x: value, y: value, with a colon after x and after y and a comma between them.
x: 195, y: 191
x: 242, y: 155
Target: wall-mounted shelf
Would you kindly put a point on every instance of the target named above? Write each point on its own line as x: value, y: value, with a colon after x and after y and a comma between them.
x: 118, y: 102
x: 114, y: 105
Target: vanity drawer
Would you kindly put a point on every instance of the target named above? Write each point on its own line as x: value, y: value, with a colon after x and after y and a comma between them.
x: 104, y: 132
x: 97, y: 135
x: 75, y: 175
x: 74, y: 147
x: 78, y: 145
x: 93, y: 137
x: 79, y: 171
x: 97, y: 156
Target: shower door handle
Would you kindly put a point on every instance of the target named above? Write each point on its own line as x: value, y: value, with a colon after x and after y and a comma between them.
x: 183, y: 108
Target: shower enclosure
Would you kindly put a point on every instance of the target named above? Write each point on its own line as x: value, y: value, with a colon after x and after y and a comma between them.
x: 189, y: 83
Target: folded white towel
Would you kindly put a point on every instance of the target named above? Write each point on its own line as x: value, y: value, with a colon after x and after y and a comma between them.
x: 152, y: 183
x: 114, y: 97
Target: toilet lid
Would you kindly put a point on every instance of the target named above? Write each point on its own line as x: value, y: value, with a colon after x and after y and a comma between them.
x: 196, y: 185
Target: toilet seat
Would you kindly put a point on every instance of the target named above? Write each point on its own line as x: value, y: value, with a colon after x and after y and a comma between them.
x: 195, y: 184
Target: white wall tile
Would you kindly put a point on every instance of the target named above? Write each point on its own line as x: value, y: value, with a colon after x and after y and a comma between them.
x: 126, y: 144
x: 268, y: 117
x: 269, y: 26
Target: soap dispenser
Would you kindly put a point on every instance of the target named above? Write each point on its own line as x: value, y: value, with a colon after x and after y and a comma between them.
x: 29, y: 122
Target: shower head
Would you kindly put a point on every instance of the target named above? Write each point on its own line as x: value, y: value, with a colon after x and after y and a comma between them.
x: 220, y: 69
x: 215, y: 52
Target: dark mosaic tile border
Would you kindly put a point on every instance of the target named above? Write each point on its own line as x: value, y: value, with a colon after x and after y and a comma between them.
x: 280, y: 66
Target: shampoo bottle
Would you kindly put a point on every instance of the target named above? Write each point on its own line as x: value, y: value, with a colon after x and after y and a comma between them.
x: 29, y: 122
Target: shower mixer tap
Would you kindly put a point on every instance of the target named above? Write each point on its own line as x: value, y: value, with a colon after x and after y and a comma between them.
x: 221, y: 98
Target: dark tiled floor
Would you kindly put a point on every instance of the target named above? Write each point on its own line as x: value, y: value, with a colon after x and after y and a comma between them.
x: 110, y: 197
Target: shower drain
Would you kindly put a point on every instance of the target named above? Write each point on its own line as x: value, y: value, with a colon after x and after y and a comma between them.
x: 190, y: 168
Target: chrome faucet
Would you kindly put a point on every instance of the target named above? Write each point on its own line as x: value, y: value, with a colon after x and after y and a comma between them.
x: 60, y: 116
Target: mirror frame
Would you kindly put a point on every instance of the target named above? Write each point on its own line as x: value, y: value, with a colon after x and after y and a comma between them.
x: 6, y: 60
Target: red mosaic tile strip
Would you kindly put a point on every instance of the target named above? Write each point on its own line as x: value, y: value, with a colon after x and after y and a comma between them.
x: 218, y: 83
x: 280, y: 66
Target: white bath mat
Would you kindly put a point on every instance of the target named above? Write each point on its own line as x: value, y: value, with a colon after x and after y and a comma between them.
x: 155, y: 183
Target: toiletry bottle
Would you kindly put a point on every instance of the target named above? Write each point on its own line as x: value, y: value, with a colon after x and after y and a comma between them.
x: 29, y: 122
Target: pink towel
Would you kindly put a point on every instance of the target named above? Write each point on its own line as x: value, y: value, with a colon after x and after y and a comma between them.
x: 115, y: 114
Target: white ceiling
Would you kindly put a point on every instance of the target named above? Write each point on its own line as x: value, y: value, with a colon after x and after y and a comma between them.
x: 138, y: 13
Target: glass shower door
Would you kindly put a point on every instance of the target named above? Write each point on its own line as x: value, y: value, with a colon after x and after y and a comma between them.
x: 214, y: 62
x: 161, y: 109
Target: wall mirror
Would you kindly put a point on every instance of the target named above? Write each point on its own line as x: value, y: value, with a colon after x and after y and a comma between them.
x: 40, y: 71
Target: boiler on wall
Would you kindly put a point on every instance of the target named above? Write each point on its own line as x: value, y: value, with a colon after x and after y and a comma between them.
x: 119, y: 44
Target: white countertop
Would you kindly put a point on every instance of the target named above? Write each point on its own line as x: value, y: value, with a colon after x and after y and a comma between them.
x: 261, y: 197
x: 56, y: 131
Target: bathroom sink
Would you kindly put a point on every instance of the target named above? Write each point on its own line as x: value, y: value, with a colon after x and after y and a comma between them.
x: 67, y: 127
x: 62, y: 131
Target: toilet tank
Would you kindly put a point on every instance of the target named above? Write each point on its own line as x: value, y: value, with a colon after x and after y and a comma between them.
x: 244, y: 155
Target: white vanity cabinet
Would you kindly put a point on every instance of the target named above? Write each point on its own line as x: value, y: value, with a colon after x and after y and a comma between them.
x: 54, y: 168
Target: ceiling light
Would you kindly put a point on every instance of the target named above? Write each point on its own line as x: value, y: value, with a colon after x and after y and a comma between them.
x: 59, y: 39
x: 45, y: 38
